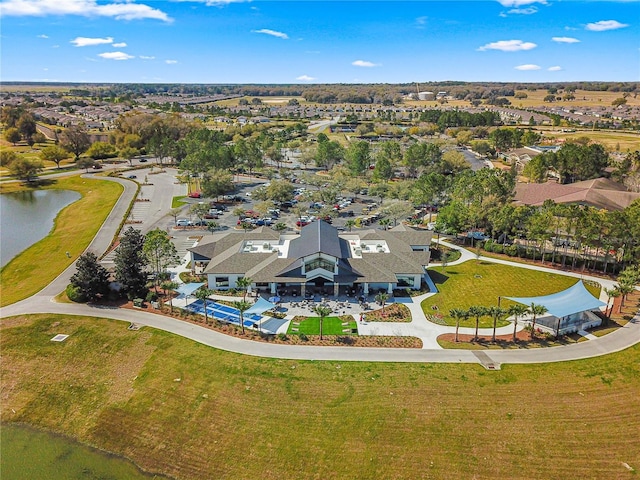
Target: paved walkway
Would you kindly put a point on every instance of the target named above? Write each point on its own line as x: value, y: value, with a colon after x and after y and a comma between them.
x: 42, y: 302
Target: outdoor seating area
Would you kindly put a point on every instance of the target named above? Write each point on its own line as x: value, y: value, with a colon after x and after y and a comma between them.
x: 224, y: 313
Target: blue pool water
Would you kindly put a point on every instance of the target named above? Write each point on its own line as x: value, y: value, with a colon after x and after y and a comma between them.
x: 223, y: 313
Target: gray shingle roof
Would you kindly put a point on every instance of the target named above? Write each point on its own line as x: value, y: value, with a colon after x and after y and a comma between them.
x: 316, y: 237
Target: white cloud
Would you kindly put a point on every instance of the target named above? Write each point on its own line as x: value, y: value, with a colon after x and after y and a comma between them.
x: 528, y: 67
x: 116, y: 56
x: 421, y: 21
x: 565, y: 40
x: 273, y: 33
x: 43, y: 36
x: 523, y: 11
x: 305, y: 78
x: 171, y: 62
x: 120, y: 10
x: 214, y: 3
x: 87, y: 42
x: 508, y: 46
x: 119, y: 45
x: 554, y: 69
x: 519, y: 3
x: 364, y: 63
x: 146, y: 57
x: 604, y: 25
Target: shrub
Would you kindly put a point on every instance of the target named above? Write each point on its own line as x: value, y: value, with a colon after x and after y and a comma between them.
x: 488, y: 245
x: 283, y: 337
x: 152, y: 296
x: 75, y: 294
x: 497, y: 248
x: 511, y: 250
x: 304, y: 338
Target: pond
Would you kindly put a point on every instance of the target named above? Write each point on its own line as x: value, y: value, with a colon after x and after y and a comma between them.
x: 28, y: 217
x: 29, y: 454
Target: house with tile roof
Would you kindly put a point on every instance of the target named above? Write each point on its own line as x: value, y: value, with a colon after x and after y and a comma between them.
x: 317, y: 260
x: 600, y: 193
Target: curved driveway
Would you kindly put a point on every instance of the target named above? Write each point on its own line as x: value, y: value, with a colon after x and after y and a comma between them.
x: 42, y: 302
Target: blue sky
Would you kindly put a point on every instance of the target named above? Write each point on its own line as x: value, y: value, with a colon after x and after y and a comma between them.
x: 209, y: 41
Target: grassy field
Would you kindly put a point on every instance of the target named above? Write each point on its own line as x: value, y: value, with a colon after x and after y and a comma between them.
x: 481, y: 283
x: 330, y: 326
x: 73, y: 230
x: 612, y: 140
x: 194, y: 412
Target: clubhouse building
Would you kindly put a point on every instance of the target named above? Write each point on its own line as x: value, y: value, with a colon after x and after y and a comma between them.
x: 318, y: 260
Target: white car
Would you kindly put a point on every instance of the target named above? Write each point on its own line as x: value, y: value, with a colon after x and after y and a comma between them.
x: 183, y: 222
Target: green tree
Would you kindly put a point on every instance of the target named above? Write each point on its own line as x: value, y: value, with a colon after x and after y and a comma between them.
x: 54, y: 153
x: 536, y: 311
x: 477, y: 311
x: 203, y: 293
x: 328, y: 153
x: 216, y: 182
x: 130, y: 263
x: 323, y: 312
x: 244, y: 283
x: 280, y: 191
x: 128, y: 153
x: 517, y: 311
x: 381, y: 298
x: 495, y: 313
x: 169, y: 286
x: 160, y: 252
x: 101, y: 150
x: 12, y: 135
x: 458, y: 314
x: 91, y: 278
x: 242, y: 306
x: 396, y: 209
x: 7, y: 157
x: 199, y: 210
x: 85, y: 163
x: 27, y: 126
x: 25, y: 169
x: 383, y: 170
x: 75, y: 140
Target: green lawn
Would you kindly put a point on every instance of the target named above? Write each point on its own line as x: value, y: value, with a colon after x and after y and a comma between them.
x: 330, y: 326
x: 74, y: 228
x: 177, y: 202
x: 481, y: 283
x: 194, y: 412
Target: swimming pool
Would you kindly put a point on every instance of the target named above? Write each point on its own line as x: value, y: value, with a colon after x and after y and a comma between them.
x: 223, y: 313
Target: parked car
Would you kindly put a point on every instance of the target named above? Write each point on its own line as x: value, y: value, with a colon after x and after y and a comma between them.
x: 143, y: 160
x: 183, y: 222
x: 132, y: 176
x: 195, y: 195
x: 97, y: 166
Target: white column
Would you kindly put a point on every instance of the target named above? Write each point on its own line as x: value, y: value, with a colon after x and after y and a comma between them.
x: 274, y: 288
x: 390, y: 288
x: 366, y: 288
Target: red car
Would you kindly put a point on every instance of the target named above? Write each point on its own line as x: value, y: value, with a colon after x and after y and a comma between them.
x: 195, y: 195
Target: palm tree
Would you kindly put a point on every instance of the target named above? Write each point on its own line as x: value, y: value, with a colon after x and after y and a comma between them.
x: 517, y: 310
x: 496, y: 313
x: 169, y: 285
x: 323, y: 311
x: 458, y: 314
x: 385, y: 222
x: 243, y: 307
x: 382, y: 298
x: 611, y: 293
x: 536, y: 310
x: 203, y: 294
x: 244, y: 283
x: 625, y: 287
x: 350, y: 224
x: 477, y: 311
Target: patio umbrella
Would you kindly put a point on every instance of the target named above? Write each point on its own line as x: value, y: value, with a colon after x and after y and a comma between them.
x: 274, y: 299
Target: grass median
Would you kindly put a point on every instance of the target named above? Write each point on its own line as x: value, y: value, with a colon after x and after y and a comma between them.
x: 193, y: 412
x: 74, y: 228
